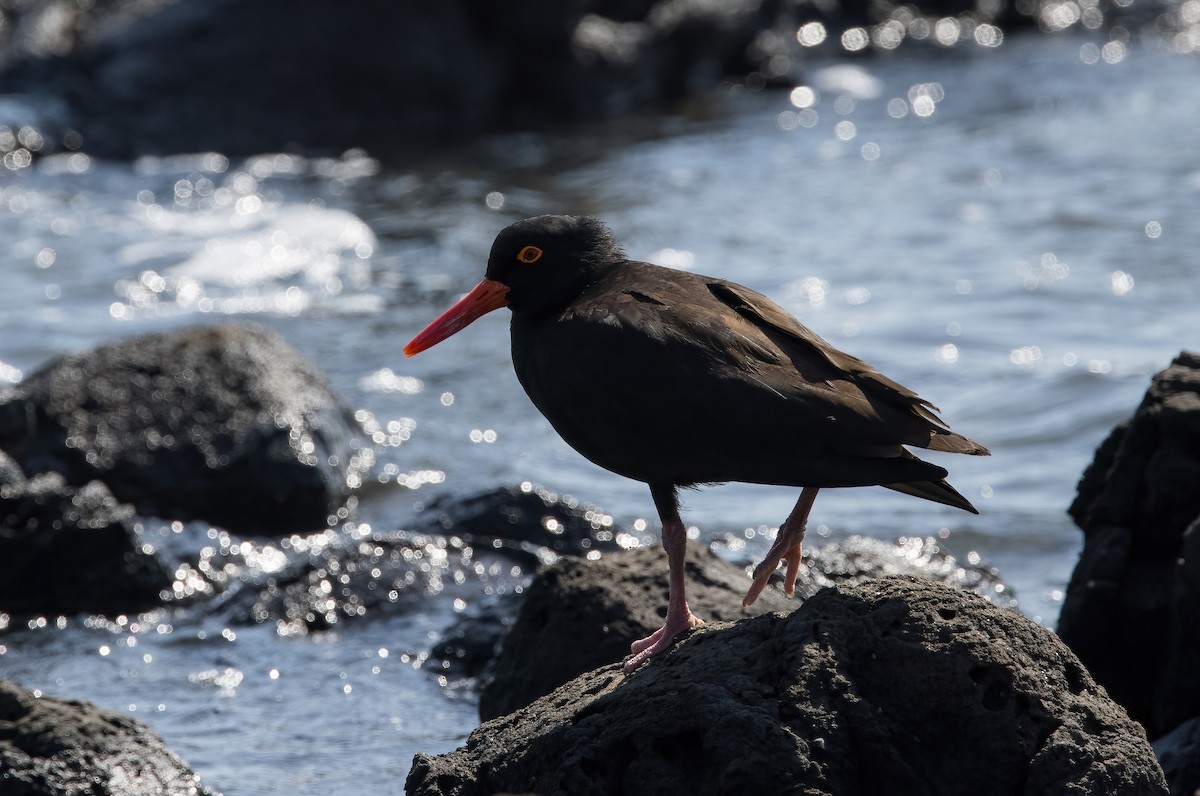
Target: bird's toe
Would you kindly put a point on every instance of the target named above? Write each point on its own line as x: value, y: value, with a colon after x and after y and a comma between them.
x: 660, y: 640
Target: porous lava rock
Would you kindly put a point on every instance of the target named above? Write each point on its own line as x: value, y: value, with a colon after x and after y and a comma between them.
x: 1131, y: 607
x: 897, y: 685
x: 227, y: 424
x: 56, y: 747
x: 67, y: 549
x: 578, y: 615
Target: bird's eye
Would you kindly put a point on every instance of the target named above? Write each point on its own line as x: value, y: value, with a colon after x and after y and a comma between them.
x: 529, y: 254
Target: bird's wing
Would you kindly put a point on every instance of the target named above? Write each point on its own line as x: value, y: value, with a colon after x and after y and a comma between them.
x: 862, y: 393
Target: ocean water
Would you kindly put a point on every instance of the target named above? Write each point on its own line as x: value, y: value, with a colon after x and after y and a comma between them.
x: 1011, y: 231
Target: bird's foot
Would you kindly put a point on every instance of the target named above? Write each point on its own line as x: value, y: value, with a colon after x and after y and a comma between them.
x: 764, y: 571
x: 660, y: 640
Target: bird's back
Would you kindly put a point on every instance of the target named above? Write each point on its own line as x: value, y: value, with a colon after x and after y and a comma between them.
x: 671, y: 377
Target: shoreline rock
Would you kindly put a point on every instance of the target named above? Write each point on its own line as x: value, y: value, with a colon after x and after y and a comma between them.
x: 580, y: 615
x: 242, y: 77
x: 51, y: 747
x: 227, y: 424
x: 1132, y: 602
x: 67, y: 550
x: 896, y: 685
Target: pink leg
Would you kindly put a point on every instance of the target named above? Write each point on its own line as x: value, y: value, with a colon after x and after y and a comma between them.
x: 679, y: 616
x: 787, y: 547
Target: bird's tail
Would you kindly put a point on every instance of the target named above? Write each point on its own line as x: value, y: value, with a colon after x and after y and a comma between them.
x: 937, y: 491
x: 955, y: 443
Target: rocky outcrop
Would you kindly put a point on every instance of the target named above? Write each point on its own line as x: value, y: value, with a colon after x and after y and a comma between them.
x: 898, y: 685
x: 1179, y: 753
x: 476, y: 548
x: 248, y: 76
x: 226, y: 424
x: 1131, y: 606
x: 580, y: 615
x: 526, y: 522
x: 65, y: 550
x: 52, y: 747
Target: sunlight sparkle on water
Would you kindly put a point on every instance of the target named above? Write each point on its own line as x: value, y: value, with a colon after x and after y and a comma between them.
x: 855, y: 39
x: 387, y: 381
x: 811, y: 34
x: 947, y: 354
x: 803, y: 97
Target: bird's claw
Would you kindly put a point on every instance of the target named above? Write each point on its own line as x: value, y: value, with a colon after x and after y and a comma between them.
x: 764, y: 571
x: 659, y: 641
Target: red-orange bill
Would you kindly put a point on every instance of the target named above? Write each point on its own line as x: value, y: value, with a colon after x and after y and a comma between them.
x: 488, y: 295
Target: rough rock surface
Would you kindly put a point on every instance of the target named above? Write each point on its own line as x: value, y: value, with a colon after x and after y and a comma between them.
x: 1132, y: 604
x: 65, y: 550
x: 899, y: 685
x: 579, y: 615
x: 58, y: 747
x: 226, y: 424
x: 858, y: 558
x: 528, y: 523
x: 1179, y: 753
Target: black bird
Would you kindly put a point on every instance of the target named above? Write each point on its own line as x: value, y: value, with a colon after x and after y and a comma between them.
x: 677, y: 379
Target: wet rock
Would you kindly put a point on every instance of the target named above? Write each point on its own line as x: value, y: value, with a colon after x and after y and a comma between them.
x: 227, y: 424
x: 157, y: 83
x: 142, y: 77
x: 10, y: 472
x: 899, y: 685
x: 66, y: 550
x: 579, y: 615
x: 469, y: 647
x: 339, y: 576
x: 1179, y: 753
x: 527, y: 522
x: 860, y: 558
x: 463, y: 547
x: 52, y: 747
x: 1132, y: 602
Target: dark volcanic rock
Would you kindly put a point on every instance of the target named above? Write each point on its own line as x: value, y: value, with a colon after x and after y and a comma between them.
x: 859, y: 558
x: 1179, y: 753
x: 54, y: 747
x: 1132, y: 603
x: 333, y: 579
x: 580, y: 615
x: 526, y: 522
x: 226, y: 424
x: 464, y: 546
x: 899, y: 685
x: 469, y: 647
x: 248, y: 76
x: 66, y: 550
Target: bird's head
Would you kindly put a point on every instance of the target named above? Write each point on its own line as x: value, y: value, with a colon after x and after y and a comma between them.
x: 537, y: 266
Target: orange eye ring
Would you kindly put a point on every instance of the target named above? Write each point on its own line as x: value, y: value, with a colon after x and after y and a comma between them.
x: 529, y: 254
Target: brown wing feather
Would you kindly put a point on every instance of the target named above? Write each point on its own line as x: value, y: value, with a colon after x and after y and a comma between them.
x: 817, y: 360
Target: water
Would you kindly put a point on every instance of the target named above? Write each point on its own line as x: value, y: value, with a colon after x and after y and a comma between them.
x: 1009, y: 231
